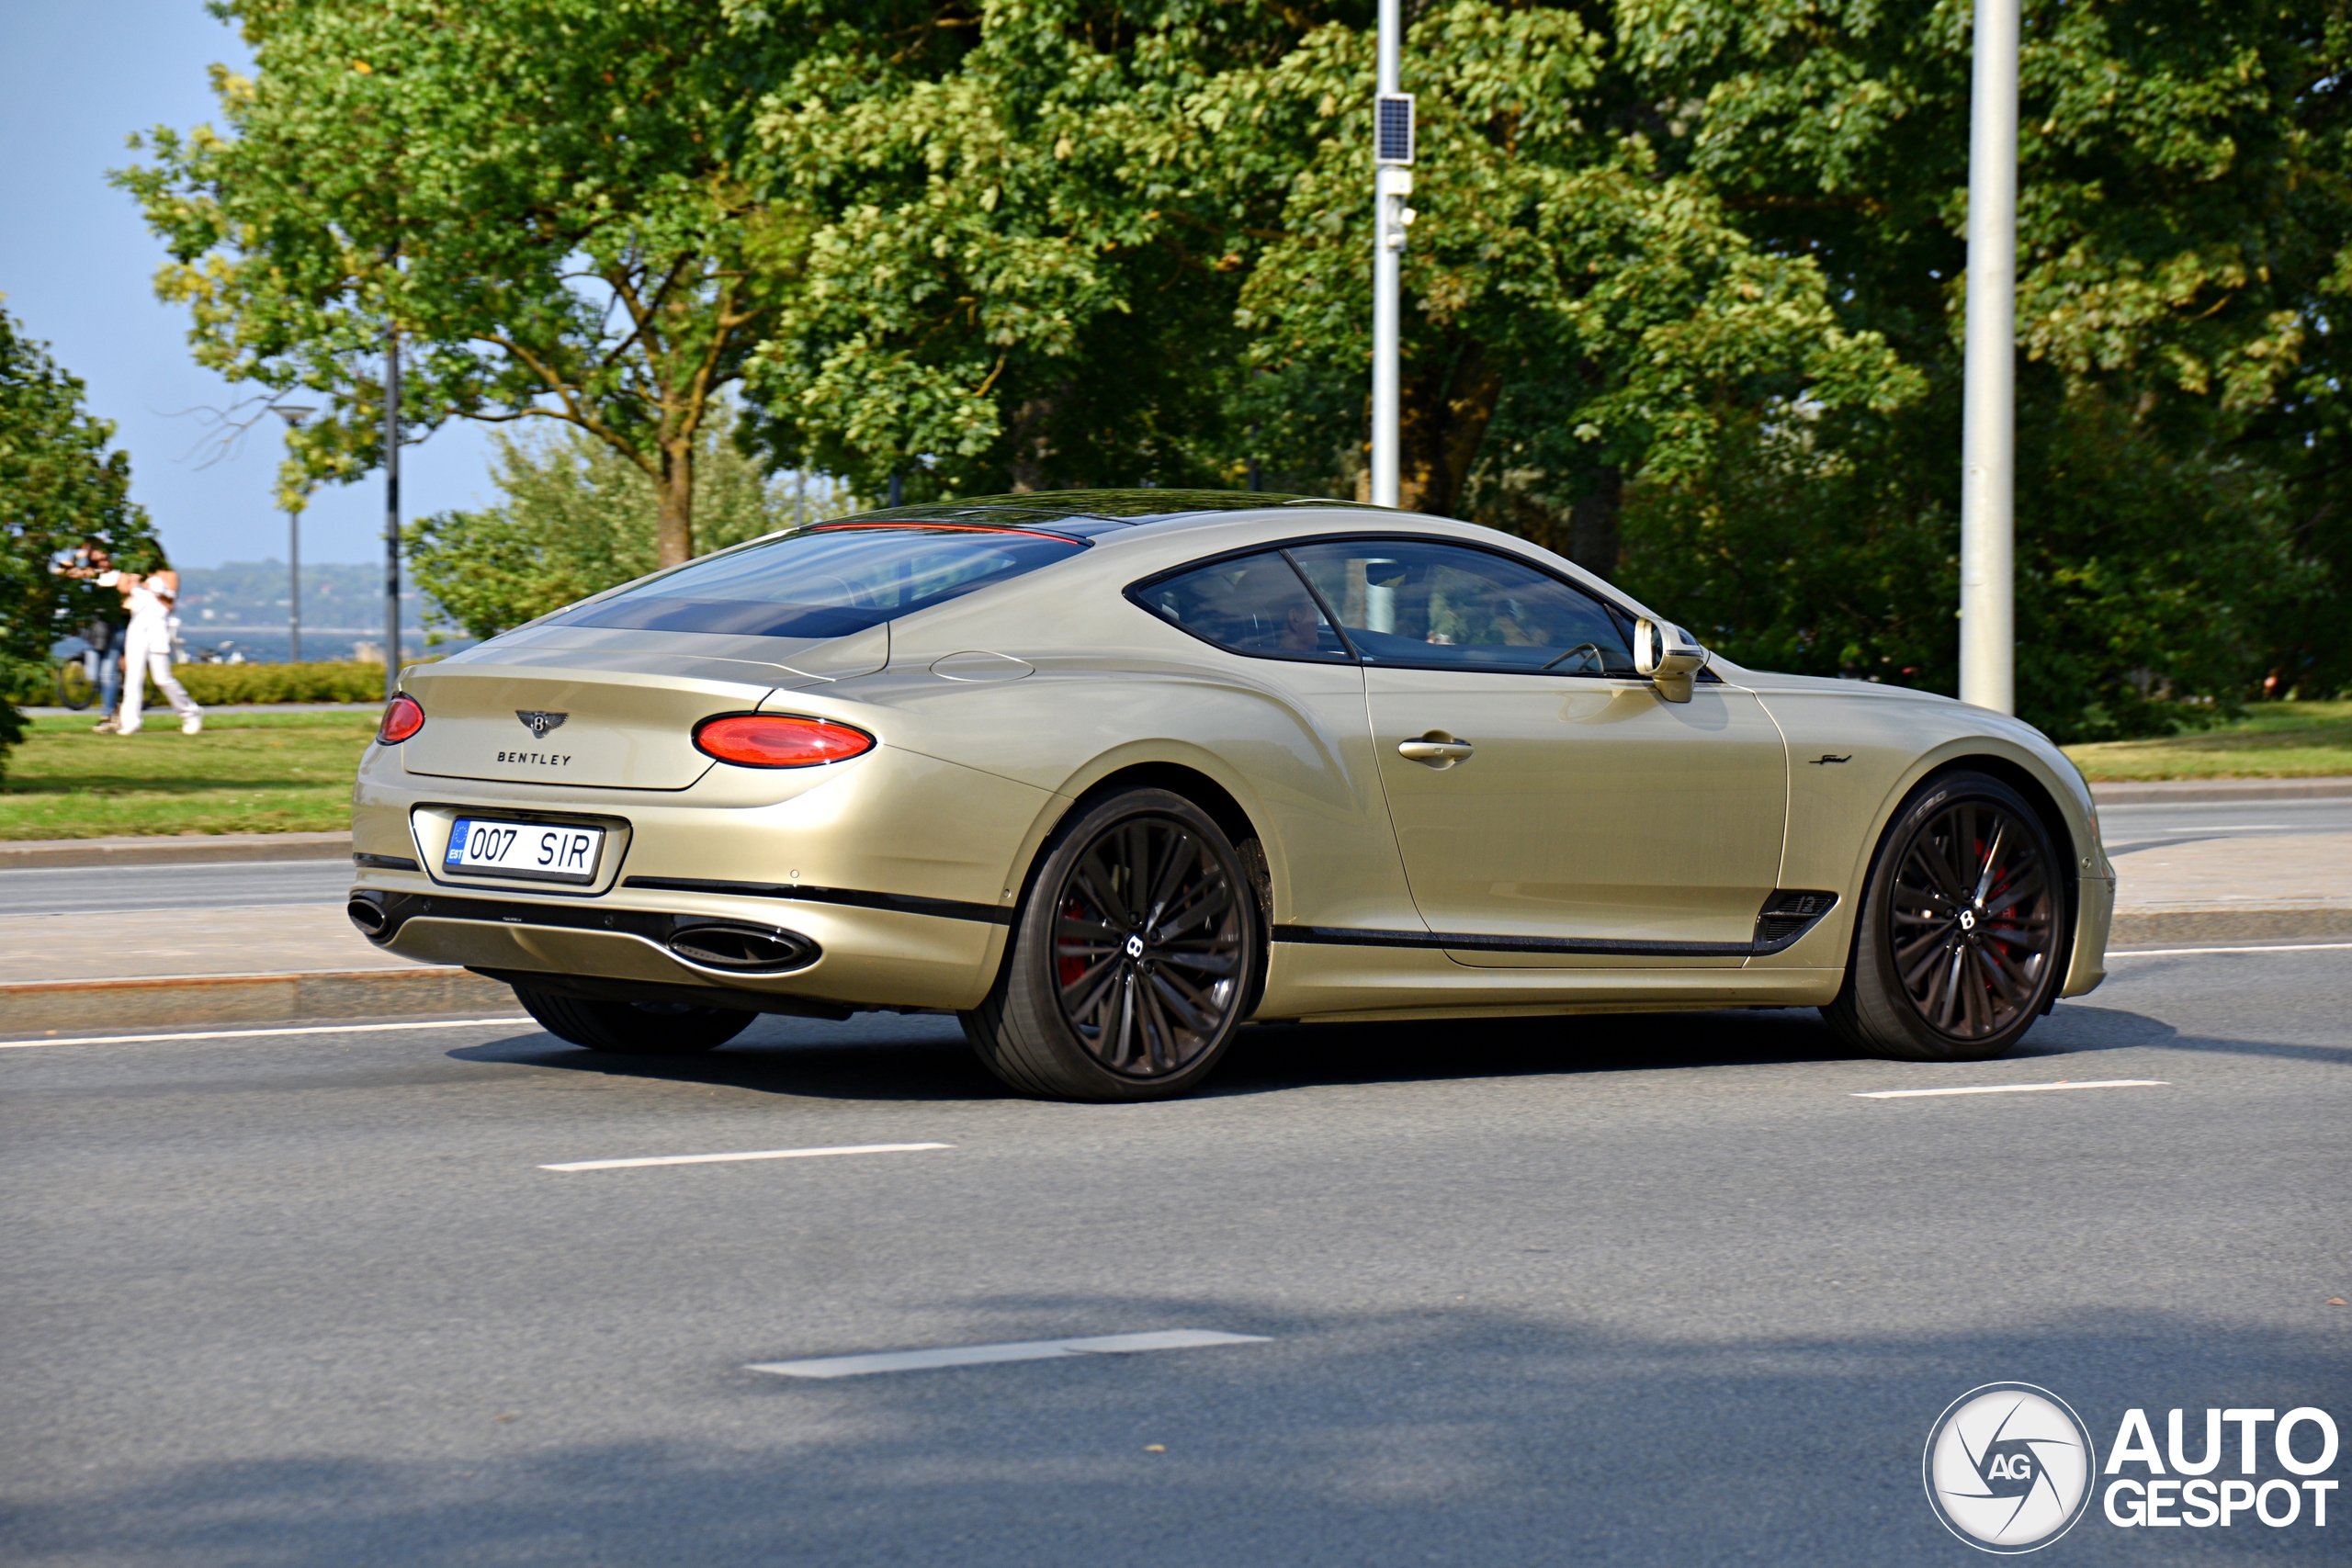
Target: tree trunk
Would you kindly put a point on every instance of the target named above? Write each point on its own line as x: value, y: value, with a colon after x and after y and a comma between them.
x: 1443, y: 418
x: 674, y: 533
x: 1593, y: 523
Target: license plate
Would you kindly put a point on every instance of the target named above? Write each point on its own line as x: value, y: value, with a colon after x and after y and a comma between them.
x: 537, y: 850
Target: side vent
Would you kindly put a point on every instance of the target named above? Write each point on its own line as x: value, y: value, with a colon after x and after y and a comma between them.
x: 1787, y: 916
x: 743, y: 949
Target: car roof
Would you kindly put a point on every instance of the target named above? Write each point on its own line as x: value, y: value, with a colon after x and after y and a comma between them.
x: 1084, y: 513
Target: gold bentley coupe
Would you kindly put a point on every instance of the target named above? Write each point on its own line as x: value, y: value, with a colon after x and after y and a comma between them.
x: 1109, y: 774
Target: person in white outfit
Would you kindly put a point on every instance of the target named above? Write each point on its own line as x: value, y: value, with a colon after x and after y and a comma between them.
x: 147, y: 647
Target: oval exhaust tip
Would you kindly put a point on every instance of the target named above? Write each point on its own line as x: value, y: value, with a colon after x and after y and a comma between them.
x: 368, y: 916
x: 743, y: 950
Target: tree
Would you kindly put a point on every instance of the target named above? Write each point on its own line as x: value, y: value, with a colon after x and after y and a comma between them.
x: 1580, y: 310
x: 59, y: 486
x: 2186, y: 192
x: 1012, y: 286
x: 555, y: 204
x: 577, y: 521
x: 1105, y: 245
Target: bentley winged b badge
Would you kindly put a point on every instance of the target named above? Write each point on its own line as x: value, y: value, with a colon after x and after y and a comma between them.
x: 539, y: 723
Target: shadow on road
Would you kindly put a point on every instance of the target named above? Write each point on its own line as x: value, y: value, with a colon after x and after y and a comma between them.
x: 1449, y: 1435
x: 887, y: 1057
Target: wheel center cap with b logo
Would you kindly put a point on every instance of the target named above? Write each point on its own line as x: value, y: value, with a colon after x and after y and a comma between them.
x: 1968, y: 920
x: 1134, y: 947
x: 2008, y: 1467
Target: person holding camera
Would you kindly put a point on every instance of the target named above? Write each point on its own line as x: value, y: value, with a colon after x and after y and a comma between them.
x: 146, y: 643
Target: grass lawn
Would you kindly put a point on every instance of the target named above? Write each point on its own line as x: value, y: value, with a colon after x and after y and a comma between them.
x: 248, y: 773
x: 2275, y: 740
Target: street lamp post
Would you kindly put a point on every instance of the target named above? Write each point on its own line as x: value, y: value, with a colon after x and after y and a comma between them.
x: 1988, y: 431
x: 391, y: 513
x: 294, y: 414
x: 1392, y: 182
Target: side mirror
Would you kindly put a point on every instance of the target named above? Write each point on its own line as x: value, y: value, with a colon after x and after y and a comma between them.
x: 1666, y: 654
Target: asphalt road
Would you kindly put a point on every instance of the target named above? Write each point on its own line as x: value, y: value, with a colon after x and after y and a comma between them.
x: 97, y: 889
x: 123, y: 889
x: 2138, y: 826
x: 1656, y: 1289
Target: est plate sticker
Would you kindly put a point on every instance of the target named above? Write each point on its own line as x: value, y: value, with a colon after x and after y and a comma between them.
x: 523, y: 849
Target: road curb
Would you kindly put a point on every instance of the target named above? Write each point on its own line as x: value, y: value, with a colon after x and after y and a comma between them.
x: 2228, y: 925
x: 32, y: 1007
x: 189, y: 849
x: 2201, y: 791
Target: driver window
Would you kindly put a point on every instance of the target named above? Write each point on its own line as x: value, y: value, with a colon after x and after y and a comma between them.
x: 1407, y: 602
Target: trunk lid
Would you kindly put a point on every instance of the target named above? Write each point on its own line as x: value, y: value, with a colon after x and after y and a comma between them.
x: 604, y: 709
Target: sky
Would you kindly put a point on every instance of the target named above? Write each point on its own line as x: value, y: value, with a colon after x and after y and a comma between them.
x: 77, y: 267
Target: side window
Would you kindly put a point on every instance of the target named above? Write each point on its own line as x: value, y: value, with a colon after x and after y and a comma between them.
x: 1407, y: 602
x: 1253, y: 604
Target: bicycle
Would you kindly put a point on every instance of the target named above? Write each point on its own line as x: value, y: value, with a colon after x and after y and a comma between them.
x: 75, y: 680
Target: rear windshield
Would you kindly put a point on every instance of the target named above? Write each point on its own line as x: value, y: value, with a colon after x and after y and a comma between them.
x: 825, y: 582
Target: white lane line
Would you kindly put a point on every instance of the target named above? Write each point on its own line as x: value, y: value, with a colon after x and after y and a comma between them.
x: 257, y: 1033
x: 980, y: 1355
x: 2014, y: 1089
x: 756, y: 1154
x: 2186, y: 952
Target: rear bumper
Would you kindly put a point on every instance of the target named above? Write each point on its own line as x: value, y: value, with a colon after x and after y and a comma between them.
x: 894, y: 870
x: 857, y: 958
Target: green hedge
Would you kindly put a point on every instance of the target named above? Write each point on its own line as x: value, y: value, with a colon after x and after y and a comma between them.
x: 30, y: 685
x: 210, y: 684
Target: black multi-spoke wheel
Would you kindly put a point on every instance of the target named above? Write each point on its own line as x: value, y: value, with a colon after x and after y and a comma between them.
x: 1133, y: 958
x: 1962, y: 930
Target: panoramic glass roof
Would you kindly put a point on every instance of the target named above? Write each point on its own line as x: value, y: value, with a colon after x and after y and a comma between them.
x: 1080, y: 513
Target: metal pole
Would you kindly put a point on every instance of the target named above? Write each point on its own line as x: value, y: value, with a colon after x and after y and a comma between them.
x: 294, y: 585
x: 1988, y: 435
x: 391, y: 512
x: 1387, y: 239
x: 294, y: 414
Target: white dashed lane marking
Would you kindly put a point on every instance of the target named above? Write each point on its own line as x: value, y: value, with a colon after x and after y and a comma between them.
x: 259, y: 1034
x: 2013, y: 1088
x: 2186, y: 952
x: 755, y: 1154
x: 1023, y: 1350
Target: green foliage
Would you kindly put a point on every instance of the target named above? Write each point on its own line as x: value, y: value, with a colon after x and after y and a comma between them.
x: 1017, y: 281
x: 2144, y: 593
x: 59, y: 485
x: 555, y: 203
x: 340, y: 683
x: 577, y: 521
x: 2186, y: 196
x: 1577, y: 311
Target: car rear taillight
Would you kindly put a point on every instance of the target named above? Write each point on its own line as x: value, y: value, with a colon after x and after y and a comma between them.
x: 402, y: 718
x: 761, y: 741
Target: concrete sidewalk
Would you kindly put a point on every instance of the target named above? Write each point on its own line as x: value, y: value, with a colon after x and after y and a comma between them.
x: 2234, y: 889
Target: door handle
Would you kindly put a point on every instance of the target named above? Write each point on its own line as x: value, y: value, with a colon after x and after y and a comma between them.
x: 1436, y: 750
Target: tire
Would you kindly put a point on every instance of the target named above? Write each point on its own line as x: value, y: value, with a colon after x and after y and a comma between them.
x: 1963, y: 930
x: 75, y: 690
x: 634, y: 1029
x: 1111, y: 994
